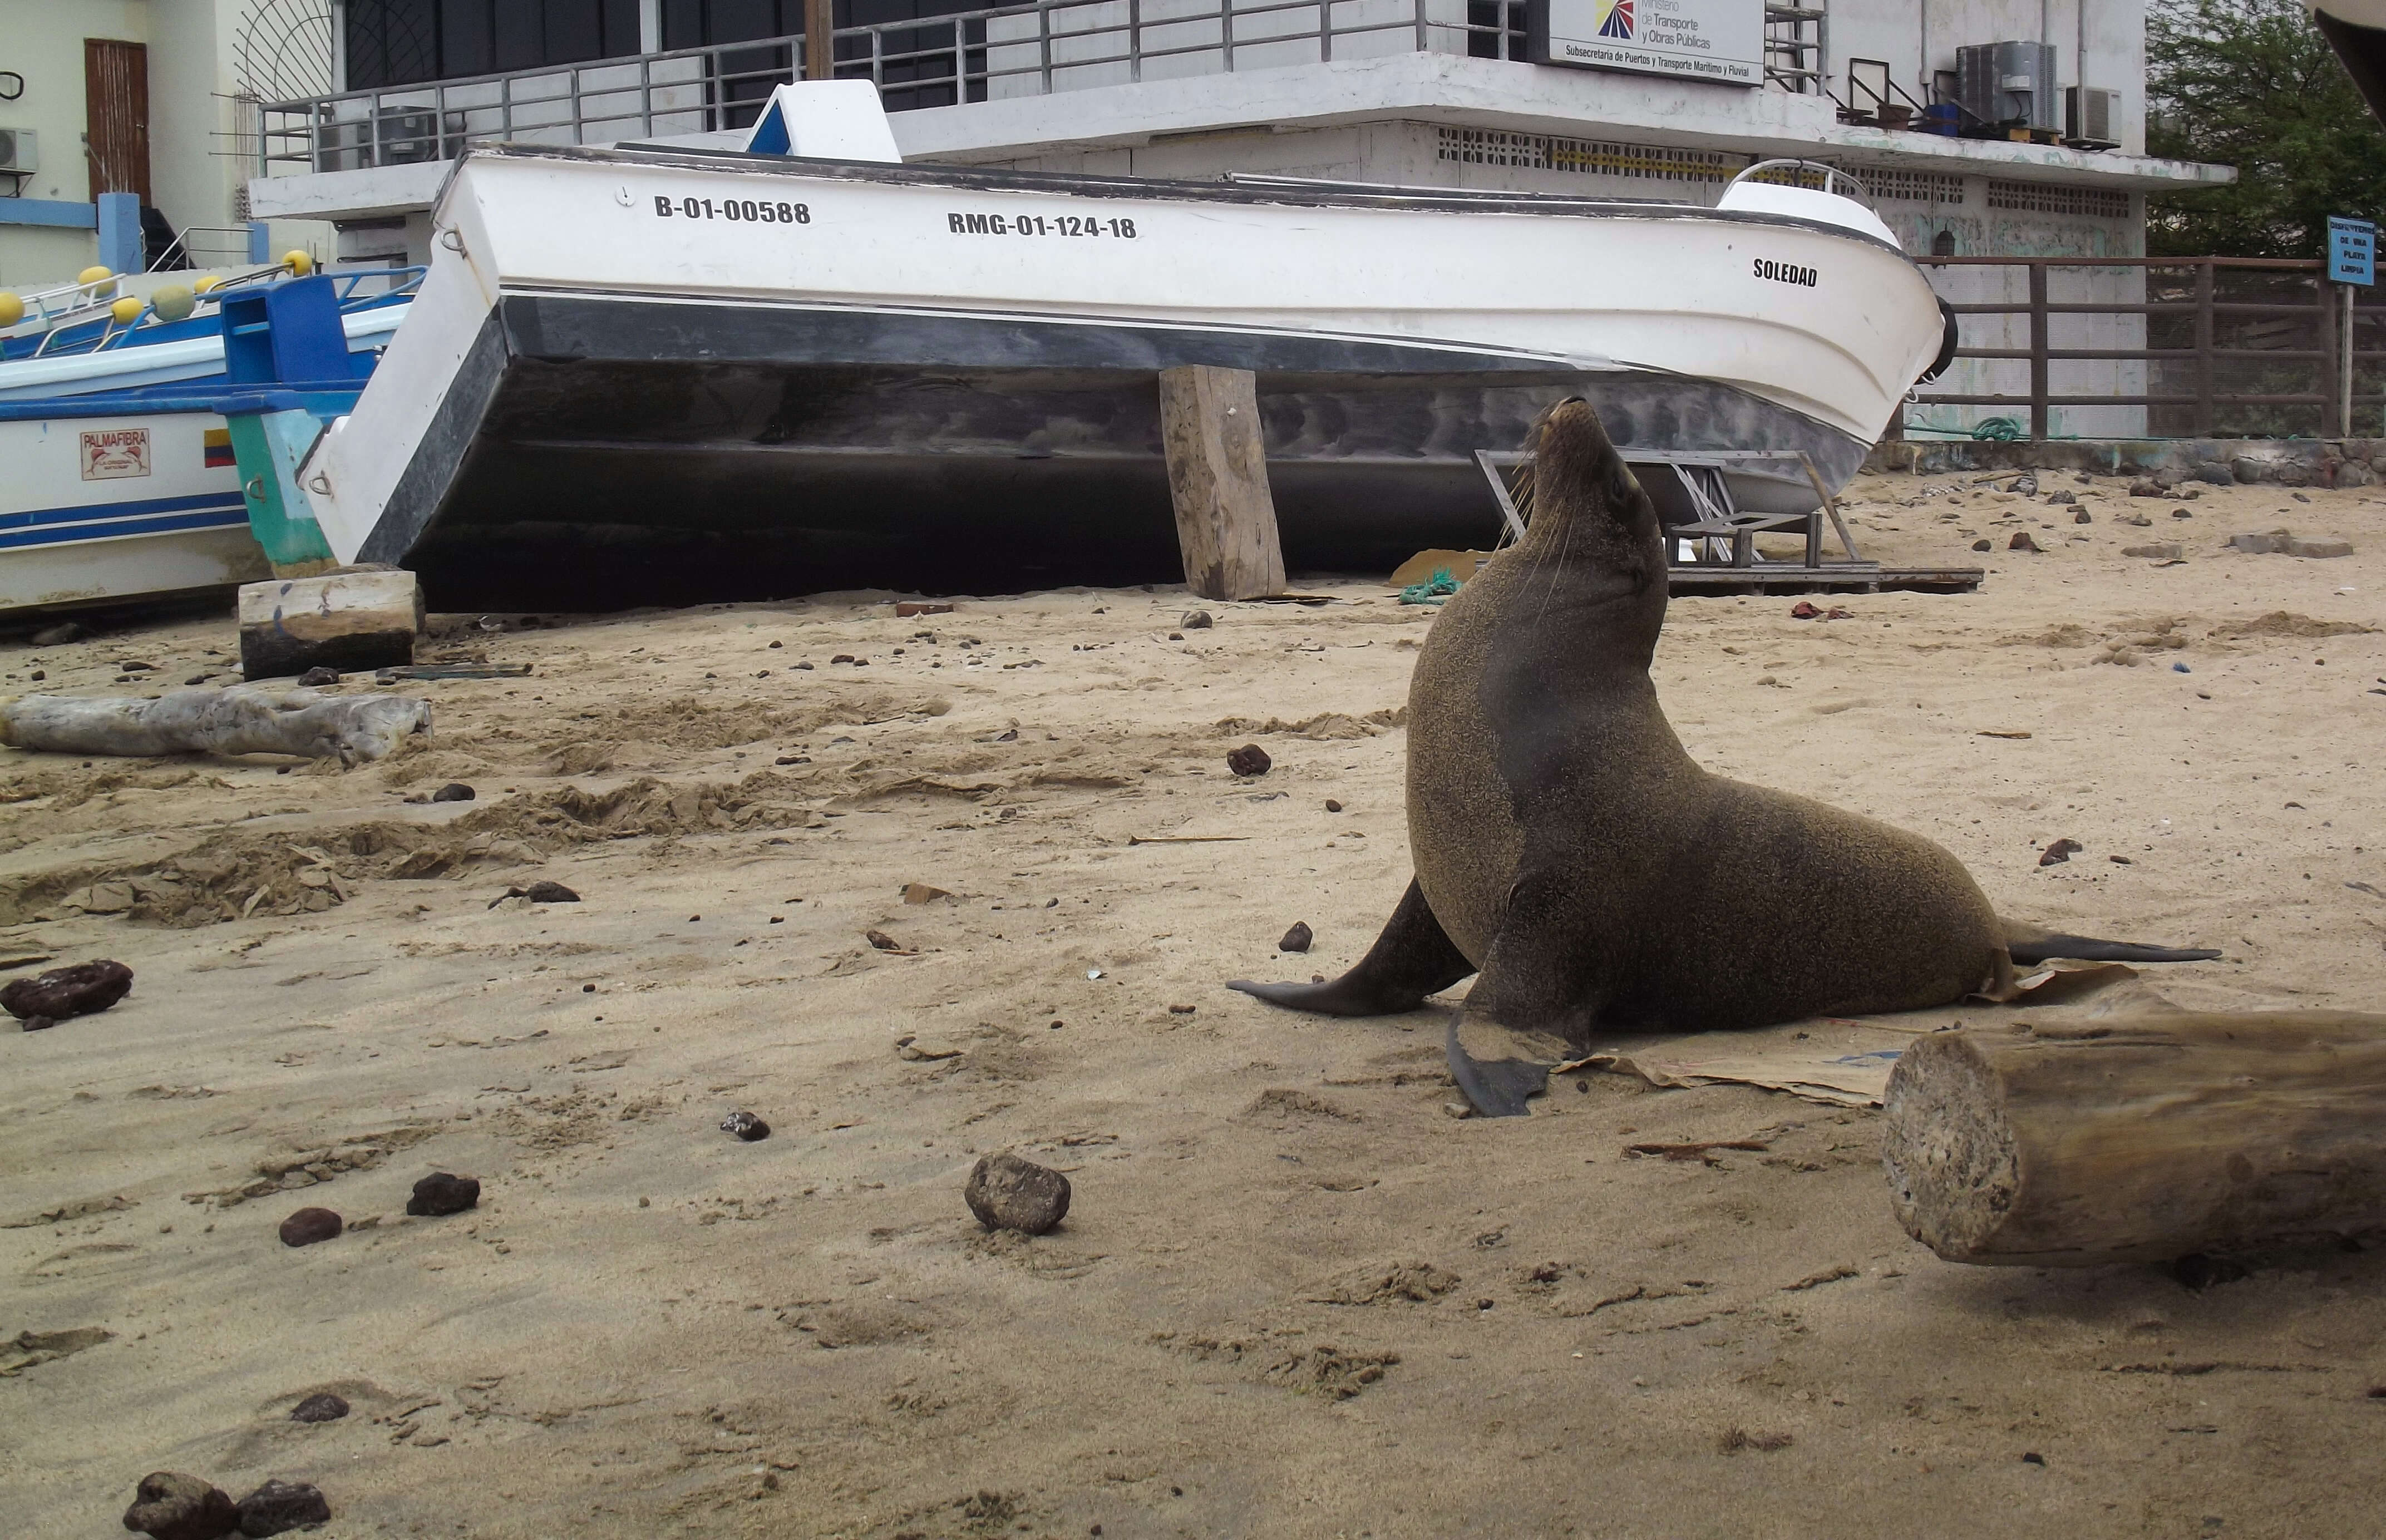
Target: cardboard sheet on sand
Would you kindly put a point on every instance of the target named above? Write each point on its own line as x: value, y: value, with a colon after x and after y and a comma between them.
x: 1845, y: 1060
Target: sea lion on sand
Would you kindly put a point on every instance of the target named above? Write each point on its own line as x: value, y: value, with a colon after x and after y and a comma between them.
x: 1570, y: 851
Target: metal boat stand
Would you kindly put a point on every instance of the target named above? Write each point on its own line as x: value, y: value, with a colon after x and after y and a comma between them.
x: 1711, y: 542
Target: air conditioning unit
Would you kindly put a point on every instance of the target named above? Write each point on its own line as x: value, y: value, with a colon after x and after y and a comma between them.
x: 2007, y: 85
x: 2091, y: 117
x: 392, y: 136
x: 17, y: 151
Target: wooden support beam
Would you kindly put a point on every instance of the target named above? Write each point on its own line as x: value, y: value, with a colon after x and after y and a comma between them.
x: 1217, y: 478
x: 2077, y: 1142
x: 348, y: 622
x: 820, y: 45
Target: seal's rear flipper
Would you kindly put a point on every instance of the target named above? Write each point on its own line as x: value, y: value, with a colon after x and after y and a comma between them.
x: 1412, y: 958
x: 2030, y: 944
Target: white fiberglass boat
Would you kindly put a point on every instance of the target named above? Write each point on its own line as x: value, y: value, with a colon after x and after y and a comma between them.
x: 122, y: 484
x: 658, y: 374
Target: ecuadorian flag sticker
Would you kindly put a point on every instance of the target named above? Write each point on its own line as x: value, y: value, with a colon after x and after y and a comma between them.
x: 219, y: 447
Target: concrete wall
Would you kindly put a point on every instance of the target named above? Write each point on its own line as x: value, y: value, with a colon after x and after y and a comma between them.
x: 45, y: 46
x: 194, y: 174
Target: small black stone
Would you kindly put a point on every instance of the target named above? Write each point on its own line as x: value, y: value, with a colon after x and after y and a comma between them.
x: 1332, y: 806
x: 281, y: 1506
x: 443, y: 1192
x: 550, y: 892
x: 455, y: 791
x: 1007, y: 1193
x: 169, y: 1505
x: 81, y: 990
x: 309, y: 1225
x: 1980, y: 544
x: 1297, y: 938
x: 1195, y: 620
x: 321, y: 1407
x: 745, y: 1126
x: 1250, y: 759
x: 313, y: 677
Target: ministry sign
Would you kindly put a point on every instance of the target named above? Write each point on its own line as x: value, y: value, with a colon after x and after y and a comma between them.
x: 1703, y: 40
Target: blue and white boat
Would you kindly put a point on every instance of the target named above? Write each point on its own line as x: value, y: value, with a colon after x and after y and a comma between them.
x: 116, y: 431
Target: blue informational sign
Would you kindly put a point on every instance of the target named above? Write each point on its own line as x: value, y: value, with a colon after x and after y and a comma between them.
x: 2352, y: 250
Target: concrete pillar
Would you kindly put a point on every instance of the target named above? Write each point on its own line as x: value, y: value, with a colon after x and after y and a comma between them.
x: 119, y: 232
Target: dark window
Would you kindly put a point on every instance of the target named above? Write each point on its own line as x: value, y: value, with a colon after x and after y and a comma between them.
x: 468, y: 41
x: 406, y: 42
x: 1495, y: 28
x: 1943, y: 243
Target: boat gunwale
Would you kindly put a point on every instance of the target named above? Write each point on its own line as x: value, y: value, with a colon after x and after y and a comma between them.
x: 1154, y: 189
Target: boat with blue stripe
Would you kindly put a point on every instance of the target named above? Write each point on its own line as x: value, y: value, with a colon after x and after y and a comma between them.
x: 151, y: 441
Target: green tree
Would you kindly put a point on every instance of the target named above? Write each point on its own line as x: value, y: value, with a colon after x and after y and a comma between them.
x: 2250, y: 84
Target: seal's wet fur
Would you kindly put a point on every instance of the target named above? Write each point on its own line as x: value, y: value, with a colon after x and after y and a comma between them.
x: 1569, y: 850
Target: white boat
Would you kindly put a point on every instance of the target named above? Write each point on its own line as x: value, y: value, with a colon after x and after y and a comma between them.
x: 114, y: 500
x: 121, y: 481
x: 662, y: 374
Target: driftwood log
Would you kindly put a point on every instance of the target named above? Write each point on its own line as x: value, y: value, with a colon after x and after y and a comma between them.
x: 2140, y: 1138
x: 243, y: 719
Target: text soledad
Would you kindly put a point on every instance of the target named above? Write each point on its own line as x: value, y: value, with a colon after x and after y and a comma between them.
x: 1785, y: 272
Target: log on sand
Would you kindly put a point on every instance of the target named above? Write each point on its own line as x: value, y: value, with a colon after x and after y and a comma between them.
x: 2139, y: 1137
x: 244, y: 720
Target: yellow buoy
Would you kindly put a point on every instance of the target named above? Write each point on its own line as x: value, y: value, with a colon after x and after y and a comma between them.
x: 126, y: 310
x: 298, y: 262
x: 172, y: 302
x: 206, y: 285
x: 100, y: 281
x: 12, y: 309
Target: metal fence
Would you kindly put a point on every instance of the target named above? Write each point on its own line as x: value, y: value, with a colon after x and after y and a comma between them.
x: 991, y: 53
x: 2206, y: 345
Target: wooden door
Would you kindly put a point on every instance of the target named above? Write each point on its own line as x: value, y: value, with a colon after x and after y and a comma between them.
x: 116, y: 115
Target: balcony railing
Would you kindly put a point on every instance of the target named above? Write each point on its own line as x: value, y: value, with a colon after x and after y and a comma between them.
x: 993, y: 54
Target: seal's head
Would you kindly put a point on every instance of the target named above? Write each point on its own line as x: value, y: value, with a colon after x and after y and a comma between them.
x: 1594, y: 531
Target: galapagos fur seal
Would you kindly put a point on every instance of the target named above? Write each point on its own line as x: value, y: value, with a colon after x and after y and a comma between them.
x: 1569, y: 850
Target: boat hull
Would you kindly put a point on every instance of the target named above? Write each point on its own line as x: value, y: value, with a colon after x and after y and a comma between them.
x: 663, y: 451
x: 106, y: 509
x: 585, y: 374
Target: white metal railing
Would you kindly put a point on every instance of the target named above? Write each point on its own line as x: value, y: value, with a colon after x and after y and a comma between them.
x: 994, y: 53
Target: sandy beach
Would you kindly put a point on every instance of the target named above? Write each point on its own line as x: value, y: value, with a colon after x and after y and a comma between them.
x: 1295, y: 1295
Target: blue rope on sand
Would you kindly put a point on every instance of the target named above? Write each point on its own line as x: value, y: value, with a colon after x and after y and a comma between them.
x: 1435, y: 590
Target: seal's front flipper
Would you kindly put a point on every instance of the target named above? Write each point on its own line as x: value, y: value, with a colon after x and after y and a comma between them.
x: 1499, y: 1070
x: 1412, y: 958
x: 1532, y: 1007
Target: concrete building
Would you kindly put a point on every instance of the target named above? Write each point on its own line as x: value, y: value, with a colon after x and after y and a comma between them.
x: 1638, y: 98
x: 148, y: 98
